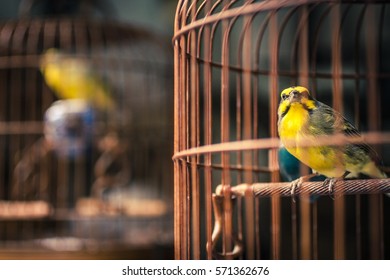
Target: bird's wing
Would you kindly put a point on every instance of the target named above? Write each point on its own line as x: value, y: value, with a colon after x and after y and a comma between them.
x: 323, y: 120
x: 333, y: 122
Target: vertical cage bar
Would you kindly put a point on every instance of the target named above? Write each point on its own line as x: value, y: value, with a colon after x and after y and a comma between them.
x: 273, y: 90
x: 339, y: 204
x: 305, y: 204
x: 373, y: 110
x: 239, y: 134
x: 207, y: 88
x: 225, y: 137
x: 225, y: 112
x: 194, y: 141
x: 357, y: 60
x: 247, y: 134
x: 179, y: 200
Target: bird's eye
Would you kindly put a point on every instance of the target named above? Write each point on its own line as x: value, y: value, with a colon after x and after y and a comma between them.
x: 284, y: 96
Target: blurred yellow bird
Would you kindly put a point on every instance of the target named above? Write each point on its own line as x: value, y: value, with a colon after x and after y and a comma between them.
x: 72, y: 77
x: 302, y: 118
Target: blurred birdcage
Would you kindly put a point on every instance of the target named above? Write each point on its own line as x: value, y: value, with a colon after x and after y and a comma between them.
x: 232, y: 60
x: 83, y: 178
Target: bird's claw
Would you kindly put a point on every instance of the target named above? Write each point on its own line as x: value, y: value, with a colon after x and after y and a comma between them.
x: 330, y: 182
x: 294, y: 185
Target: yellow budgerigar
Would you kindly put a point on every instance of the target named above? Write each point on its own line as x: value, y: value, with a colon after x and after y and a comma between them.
x: 302, y: 119
x: 73, y: 77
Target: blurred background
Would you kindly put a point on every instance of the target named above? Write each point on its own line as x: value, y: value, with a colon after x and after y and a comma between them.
x: 86, y: 128
x: 156, y: 15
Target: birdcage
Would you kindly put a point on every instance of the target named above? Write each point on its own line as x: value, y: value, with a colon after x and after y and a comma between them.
x: 232, y: 60
x: 85, y: 136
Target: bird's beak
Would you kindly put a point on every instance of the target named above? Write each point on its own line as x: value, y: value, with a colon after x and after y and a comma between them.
x: 294, y: 96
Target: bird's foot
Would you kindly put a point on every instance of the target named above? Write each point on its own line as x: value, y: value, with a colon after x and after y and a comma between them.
x: 330, y: 182
x: 294, y: 185
x: 298, y: 182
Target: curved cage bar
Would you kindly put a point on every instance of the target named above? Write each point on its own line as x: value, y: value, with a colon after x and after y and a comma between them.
x: 232, y: 60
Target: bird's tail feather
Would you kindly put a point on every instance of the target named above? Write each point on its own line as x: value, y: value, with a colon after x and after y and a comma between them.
x: 372, y: 170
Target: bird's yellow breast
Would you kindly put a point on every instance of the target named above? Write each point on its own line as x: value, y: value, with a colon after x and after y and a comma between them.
x: 293, y: 122
x: 292, y: 127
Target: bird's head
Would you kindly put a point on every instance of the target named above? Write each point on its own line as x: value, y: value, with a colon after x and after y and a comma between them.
x: 295, y: 95
x: 50, y: 56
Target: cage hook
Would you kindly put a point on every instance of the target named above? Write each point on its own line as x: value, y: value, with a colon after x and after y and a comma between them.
x: 218, y: 208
